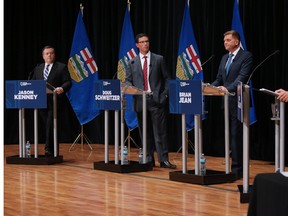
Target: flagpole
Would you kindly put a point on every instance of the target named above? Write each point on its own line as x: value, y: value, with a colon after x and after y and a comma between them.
x: 81, y: 136
x: 81, y: 8
x: 128, y: 5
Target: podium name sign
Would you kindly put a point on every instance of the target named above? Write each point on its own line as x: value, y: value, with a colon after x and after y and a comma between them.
x: 240, y: 101
x: 108, y: 94
x: 26, y: 94
x: 185, y: 97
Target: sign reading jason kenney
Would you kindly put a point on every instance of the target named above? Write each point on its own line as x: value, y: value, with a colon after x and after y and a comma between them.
x: 185, y: 96
x: 26, y: 94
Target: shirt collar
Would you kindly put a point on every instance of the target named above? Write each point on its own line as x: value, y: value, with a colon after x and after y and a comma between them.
x: 141, y: 55
x: 235, y: 52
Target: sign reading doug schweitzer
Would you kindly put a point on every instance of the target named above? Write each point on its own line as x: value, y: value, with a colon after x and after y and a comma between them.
x: 26, y: 94
x: 185, y: 96
x: 108, y: 94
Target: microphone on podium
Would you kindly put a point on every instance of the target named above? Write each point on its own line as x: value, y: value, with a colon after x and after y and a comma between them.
x: 115, y: 74
x: 272, y: 54
x: 211, y: 57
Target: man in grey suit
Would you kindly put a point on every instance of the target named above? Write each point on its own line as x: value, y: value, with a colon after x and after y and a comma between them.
x: 148, y: 72
x: 57, y: 75
x: 235, y: 66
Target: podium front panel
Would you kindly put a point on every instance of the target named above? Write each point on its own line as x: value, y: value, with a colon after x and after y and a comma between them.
x: 108, y: 94
x: 185, y: 97
x: 26, y: 94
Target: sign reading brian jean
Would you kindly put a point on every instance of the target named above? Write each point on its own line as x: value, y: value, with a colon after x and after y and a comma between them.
x: 108, y: 94
x: 185, y: 97
x: 26, y: 94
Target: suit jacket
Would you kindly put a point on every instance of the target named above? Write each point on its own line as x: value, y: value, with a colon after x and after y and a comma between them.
x: 158, y: 79
x: 240, y: 70
x: 58, y: 77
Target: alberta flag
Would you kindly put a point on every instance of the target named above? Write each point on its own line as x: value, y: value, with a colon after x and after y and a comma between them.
x: 237, y: 26
x: 188, y: 61
x: 83, y: 71
x: 127, y: 51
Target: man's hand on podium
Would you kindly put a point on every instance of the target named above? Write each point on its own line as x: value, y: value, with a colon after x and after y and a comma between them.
x: 223, y: 88
x: 283, y: 95
x: 59, y: 90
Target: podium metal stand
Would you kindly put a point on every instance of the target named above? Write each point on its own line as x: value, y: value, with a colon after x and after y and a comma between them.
x: 133, y: 166
x: 278, y: 110
x: 278, y: 116
x: 36, y: 159
x: 212, y: 176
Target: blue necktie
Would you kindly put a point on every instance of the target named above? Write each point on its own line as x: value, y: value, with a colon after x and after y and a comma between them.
x: 46, y: 72
x: 229, y: 63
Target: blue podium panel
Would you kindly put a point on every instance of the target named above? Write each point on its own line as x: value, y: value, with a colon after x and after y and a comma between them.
x: 240, y: 101
x: 108, y: 94
x: 185, y: 97
x: 26, y: 94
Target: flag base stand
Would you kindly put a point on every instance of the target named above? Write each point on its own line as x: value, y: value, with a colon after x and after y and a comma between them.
x: 245, y: 197
x: 190, y: 143
x: 211, y: 177
x: 133, y: 166
x: 41, y: 160
x: 81, y: 137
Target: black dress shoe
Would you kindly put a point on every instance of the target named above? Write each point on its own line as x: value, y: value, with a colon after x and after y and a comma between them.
x: 167, y: 164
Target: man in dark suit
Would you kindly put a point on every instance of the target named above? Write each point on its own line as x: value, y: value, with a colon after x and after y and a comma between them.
x: 235, y: 66
x: 148, y: 72
x: 57, y: 75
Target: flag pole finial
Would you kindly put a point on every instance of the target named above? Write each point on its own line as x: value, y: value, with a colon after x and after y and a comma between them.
x: 129, y: 3
x: 81, y: 8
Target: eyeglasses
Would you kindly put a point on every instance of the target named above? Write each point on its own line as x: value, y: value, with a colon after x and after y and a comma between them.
x: 142, y: 42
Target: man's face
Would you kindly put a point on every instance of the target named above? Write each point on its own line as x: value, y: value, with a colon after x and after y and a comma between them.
x: 143, y: 45
x: 48, y: 55
x: 230, y: 43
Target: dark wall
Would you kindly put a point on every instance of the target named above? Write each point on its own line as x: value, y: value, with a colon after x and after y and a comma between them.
x: 30, y: 25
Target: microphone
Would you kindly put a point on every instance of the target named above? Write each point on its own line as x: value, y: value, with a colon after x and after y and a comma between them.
x: 30, y: 75
x: 274, y: 53
x: 115, y: 75
x: 211, y: 57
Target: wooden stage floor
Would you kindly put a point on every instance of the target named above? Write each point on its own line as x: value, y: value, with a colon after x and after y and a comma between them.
x: 73, y: 187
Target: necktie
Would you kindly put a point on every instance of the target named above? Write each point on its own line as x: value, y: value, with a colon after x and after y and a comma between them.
x: 46, y: 72
x: 145, y: 74
x: 229, y: 63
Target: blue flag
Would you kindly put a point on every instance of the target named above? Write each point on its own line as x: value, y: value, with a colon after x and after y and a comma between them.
x: 83, y: 71
x: 188, y: 60
x: 237, y: 26
x: 127, y: 51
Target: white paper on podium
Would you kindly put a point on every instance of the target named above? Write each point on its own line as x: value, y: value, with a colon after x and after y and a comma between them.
x: 269, y: 92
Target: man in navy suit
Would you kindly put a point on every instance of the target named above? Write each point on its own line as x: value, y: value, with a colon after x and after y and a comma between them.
x: 235, y: 66
x: 57, y: 75
x: 148, y: 72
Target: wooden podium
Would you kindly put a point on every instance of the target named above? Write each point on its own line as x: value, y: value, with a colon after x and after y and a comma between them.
x: 119, y: 89
x: 212, y: 176
x: 30, y: 88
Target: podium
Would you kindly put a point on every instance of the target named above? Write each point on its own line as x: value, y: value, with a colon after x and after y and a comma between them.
x: 23, y: 94
x: 109, y: 95
x: 195, y: 89
x: 278, y: 116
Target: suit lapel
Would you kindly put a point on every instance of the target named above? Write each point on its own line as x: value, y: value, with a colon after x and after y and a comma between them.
x: 52, y: 71
x: 152, y: 60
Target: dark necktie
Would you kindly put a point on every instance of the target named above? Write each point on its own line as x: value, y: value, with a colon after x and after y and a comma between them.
x: 145, y: 74
x: 46, y: 72
x: 229, y: 63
